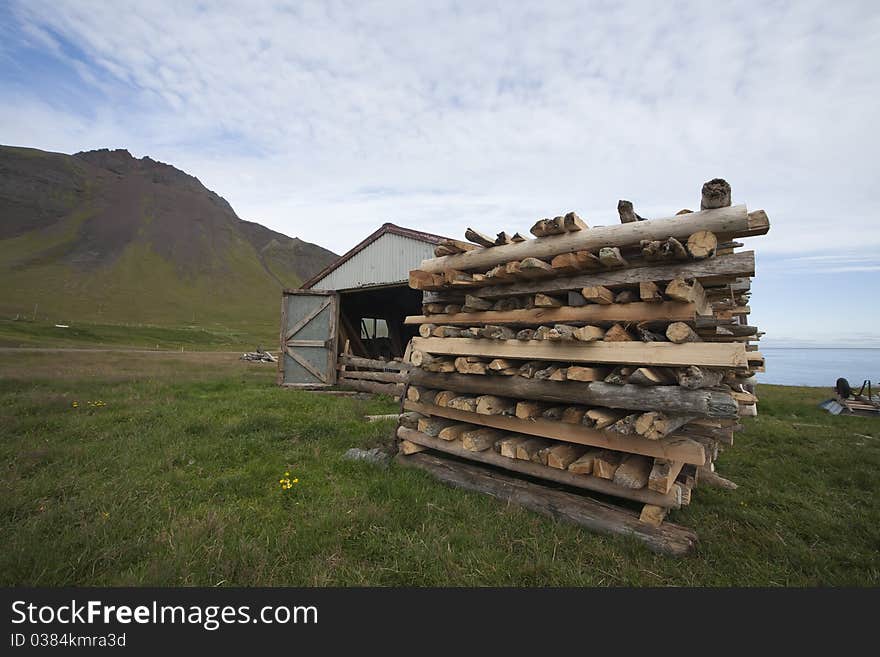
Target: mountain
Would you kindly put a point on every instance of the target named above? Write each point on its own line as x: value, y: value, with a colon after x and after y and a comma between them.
x: 101, y: 236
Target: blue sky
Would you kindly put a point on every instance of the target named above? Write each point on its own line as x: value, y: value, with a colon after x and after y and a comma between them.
x: 324, y: 120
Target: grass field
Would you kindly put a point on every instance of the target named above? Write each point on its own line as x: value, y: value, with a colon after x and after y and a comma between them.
x: 174, y: 480
x: 40, y: 334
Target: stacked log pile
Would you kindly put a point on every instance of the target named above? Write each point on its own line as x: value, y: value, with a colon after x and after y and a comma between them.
x: 616, y: 359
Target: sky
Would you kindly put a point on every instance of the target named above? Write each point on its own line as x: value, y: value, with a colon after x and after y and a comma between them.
x: 324, y: 120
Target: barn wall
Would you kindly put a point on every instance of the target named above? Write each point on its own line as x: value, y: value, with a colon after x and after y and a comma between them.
x: 387, y: 260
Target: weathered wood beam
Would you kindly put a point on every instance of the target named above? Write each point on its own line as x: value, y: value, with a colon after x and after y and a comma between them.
x: 671, y: 399
x: 728, y: 221
x: 589, y: 513
x: 708, y: 354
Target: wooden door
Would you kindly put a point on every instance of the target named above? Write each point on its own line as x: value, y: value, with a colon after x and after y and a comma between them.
x: 308, y: 338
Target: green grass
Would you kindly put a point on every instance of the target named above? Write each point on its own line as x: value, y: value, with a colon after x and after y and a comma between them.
x: 25, y: 333
x: 176, y: 481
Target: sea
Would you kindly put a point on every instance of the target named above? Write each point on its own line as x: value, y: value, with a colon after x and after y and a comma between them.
x: 820, y: 367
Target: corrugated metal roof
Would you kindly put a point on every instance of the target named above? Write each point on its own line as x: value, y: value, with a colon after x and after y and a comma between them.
x: 383, y: 258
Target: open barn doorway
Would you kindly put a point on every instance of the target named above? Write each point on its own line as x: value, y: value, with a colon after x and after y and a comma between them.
x: 372, y: 320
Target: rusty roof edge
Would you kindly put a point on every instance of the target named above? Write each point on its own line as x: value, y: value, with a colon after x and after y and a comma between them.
x: 387, y: 227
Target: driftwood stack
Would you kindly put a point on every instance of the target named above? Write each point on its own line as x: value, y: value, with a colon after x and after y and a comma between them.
x: 615, y: 359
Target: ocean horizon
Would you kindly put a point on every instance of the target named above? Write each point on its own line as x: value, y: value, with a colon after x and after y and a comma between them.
x: 820, y: 366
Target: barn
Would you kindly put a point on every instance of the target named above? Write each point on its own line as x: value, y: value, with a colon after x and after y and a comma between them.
x: 361, y: 300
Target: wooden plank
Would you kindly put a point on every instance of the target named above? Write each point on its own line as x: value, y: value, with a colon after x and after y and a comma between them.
x: 671, y: 399
x: 569, y: 507
x: 670, y: 448
x: 730, y: 221
x: 491, y: 457
x: 306, y: 365
x: 293, y: 330
x: 735, y: 264
x: 709, y: 354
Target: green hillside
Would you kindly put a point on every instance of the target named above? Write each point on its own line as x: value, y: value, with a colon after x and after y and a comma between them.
x: 104, y: 238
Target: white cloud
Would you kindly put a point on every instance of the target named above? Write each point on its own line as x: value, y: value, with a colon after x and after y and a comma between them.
x: 490, y: 114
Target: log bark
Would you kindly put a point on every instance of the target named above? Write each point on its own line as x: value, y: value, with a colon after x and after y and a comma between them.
x: 382, y: 377
x: 731, y: 221
x: 391, y: 389
x: 610, y: 257
x: 432, y: 426
x: 494, y: 405
x: 695, y: 378
x: 605, y: 464
x: 715, y: 194
x: 679, y: 333
x: 626, y: 212
x: 480, y: 438
x: 369, y: 363
x: 633, y: 472
x: 454, y: 431
x: 672, y: 399
x: 478, y: 238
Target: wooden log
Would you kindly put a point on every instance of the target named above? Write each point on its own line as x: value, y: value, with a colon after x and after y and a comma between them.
x: 679, y: 333
x: 528, y: 450
x: 572, y: 222
x: 702, y: 244
x: 715, y: 194
x: 495, y: 405
x: 464, y: 366
x: 546, y: 301
x: 625, y: 296
x: 598, y: 294
x: 672, y: 249
x: 675, y: 448
x: 582, y: 373
x: 426, y: 329
x: 432, y: 426
x: 525, y: 334
x: 391, y: 389
x: 626, y: 212
x: 654, y: 425
x: 510, y: 303
x: 651, y: 376
x: 626, y: 425
x: 432, y: 308
x: 373, y: 364
x: 561, y: 455
x: 456, y: 246
x: 480, y: 438
x: 584, y: 511
x: 463, y: 403
x: 576, y: 299
x: 499, y: 364
x: 645, y: 334
x: 610, y: 257
x: 546, y: 372
x: 443, y: 397
x: 503, y: 238
x: 534, y: 268
x: 454, y: 431
x: 730, y: 221
x: 633, y: 472
x: 737, y: 265
x: 695, y: 378
x: 478, y: 238
x: 407, y: 447
x: 617, y: 334
x: 444, y: 332
x: 425, y: 280
x: 409, y: 420
x: 672, y: 399
x: 561, y: 332
x: 619, y: 375
x: 527, y: 409
x: 663, y: 475
x: 584, y: 463
x: 687, y: 291
x: 527, y: 370
x: 591, y: 314
x: 454, y: 278
x: 605, y: 463
x: 603, y: 417
x: 382, y: 377
x: 653, y: 515
x: 508, y: 445
x: 573, y: 414
x: 588, y: 333
x: 649, y: 292
x: 476, y: 303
